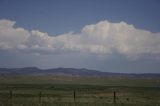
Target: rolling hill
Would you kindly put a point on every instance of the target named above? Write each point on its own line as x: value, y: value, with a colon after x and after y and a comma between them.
x: 71, y: 72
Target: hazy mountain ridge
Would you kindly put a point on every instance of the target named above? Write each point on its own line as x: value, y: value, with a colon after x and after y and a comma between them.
x: 71, y: 72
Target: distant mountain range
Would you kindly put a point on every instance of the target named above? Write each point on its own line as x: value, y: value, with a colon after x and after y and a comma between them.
x: 71, y: 72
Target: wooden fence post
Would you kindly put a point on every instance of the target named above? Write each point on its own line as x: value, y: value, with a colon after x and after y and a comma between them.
x: 74, y: 96
x: 11, y: 97
x: 10, y: 94
x: 114, y: 97
x: 40, y: 96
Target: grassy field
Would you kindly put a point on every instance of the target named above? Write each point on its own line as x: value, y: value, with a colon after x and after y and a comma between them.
x: 76, y: 91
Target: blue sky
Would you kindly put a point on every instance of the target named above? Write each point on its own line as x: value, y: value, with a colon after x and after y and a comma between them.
x: 59, y: 17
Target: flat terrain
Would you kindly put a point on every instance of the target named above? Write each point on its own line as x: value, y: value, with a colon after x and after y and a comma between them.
x: 78, y: 91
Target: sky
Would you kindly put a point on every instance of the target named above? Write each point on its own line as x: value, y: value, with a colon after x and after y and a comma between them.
x: 106, y: 35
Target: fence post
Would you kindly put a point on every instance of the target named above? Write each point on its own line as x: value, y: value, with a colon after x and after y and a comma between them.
x: 40, y: 96
x: 74, y: 96
x: 114, y: 97
x: 10, y: 94
x: 11, y: 97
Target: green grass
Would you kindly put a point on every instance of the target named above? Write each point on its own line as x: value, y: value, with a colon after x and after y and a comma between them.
x: 90, y: 91
x: 109, y: 81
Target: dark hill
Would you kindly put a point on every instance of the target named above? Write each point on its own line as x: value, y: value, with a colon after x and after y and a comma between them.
x: 70, y: 72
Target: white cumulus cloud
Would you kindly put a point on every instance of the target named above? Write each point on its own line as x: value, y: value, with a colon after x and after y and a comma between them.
x: 10, y: 37
x: 103, y: 38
